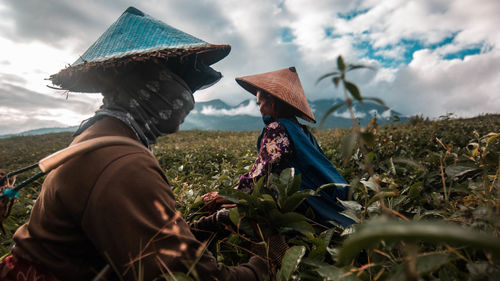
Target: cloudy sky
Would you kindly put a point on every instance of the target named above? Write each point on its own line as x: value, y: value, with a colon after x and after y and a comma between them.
x: 432, y: 57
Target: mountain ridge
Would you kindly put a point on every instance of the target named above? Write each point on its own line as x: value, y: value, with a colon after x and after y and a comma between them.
x: 245, y: 116
x: 217, y: 115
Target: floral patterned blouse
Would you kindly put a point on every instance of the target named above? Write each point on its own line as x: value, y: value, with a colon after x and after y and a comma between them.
x: 274, y: 153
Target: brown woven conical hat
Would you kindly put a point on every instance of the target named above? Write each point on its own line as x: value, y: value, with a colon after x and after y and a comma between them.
x: 283, y: 84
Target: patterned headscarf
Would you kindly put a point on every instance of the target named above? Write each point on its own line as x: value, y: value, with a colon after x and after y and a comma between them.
x: 152, y: 105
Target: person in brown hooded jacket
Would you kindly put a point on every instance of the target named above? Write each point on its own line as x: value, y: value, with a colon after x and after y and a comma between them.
x: 112, y: 209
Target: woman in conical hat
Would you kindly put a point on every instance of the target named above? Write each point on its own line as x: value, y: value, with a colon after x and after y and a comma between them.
x: 284, y: 143
x: 114, y: 205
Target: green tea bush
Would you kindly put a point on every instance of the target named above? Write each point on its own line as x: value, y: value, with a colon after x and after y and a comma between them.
x: 418, y: 235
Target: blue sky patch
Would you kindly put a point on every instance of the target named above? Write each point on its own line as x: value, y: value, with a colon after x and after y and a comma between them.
x: 329, y: 33
x: 462, y: 53
x: 372, y: 53
x: 281, y: 4
x: 410, y: 46
x: 413, y: 45
x: 287, y: 35
x: 352, y: 14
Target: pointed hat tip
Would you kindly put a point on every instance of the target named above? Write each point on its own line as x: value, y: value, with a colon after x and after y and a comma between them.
x: 134, y: 11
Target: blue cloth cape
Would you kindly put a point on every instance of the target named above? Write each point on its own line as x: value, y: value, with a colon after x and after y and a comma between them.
x: 316, y: 170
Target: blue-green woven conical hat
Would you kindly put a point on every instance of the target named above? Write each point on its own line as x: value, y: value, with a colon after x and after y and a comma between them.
x: 134, y: 38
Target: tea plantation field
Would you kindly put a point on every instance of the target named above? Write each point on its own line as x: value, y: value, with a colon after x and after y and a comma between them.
x: 429, y: 211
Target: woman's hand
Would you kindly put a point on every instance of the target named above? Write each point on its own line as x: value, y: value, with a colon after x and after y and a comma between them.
x: 214, y: 202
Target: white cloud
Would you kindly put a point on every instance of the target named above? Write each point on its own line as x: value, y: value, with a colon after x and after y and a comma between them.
x: 397, y: 52
x: 346, y: 114
x: 386, y: 75
x: 34, y: 62
x: 251, y: 109
x: 426, y: 82
x: 22, y: 109
x: 309, y: 23
x: 433, y: 86
x: 15, y: 121
x: 386, y: 114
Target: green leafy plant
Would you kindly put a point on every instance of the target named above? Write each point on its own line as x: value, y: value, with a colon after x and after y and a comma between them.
x: 381, y: 218
x: 351, y: 91
x: 270, y: 208
x: 408, y: 164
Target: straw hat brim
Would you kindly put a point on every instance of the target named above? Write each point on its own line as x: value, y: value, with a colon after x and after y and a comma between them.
x: 92, y: 77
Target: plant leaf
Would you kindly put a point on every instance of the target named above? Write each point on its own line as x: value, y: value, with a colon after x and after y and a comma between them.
x: 285, y: 180
x: 332, y: 273
x: 371, y: 184
x: 268, y: 202
x: 303, y: 227
x: 351, y: 205
x: 327, y: 235
x: 353, y: 89
x: 258, y: 186
x: 234, y: 215
x: 326, y: 75
x: 348, y: 144
x: 368, y: 138
x: 284, y: 219
x: 318, y: 251
x: 457, y: 171
x: 293, y: 201
x: 491, y: 137
x: 290, y: 262
x: 293, y: 221
x: 235, y: 196
x: 295, y: 186
x: 340, y: 64
x: 410, y: 162
x: 375, y: 231
x: 286, y: 176
x: 336, y: 81
x: 352, y: 214
x: 431, y: 262
x: 332, y: 185
x: 357, y: 66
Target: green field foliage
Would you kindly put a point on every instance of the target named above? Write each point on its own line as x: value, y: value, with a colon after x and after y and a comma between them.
x: 428, y: 210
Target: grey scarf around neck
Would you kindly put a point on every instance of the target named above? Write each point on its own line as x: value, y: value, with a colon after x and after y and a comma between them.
x: 150, y: 106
